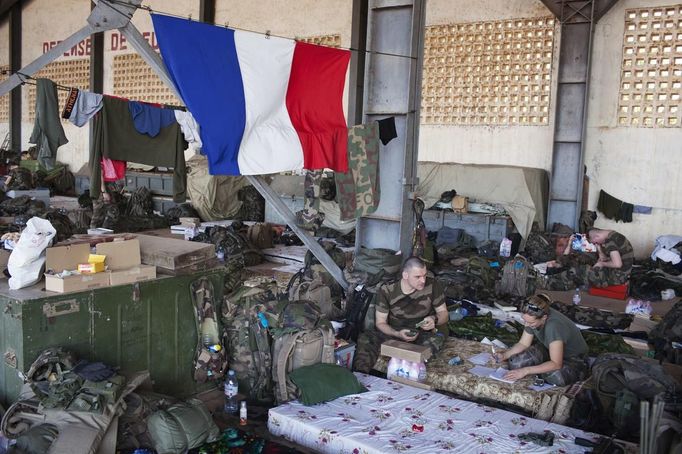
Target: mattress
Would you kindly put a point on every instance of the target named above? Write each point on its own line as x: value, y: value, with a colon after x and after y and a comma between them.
x: 552, y: 405
x: 392, y: 417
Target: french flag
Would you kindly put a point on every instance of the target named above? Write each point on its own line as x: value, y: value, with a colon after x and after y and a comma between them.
x: 265, y: 104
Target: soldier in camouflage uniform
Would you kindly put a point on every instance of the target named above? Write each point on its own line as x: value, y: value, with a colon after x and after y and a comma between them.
x: 400, y: 306
x: 558, y: 356
x: 613, y: 265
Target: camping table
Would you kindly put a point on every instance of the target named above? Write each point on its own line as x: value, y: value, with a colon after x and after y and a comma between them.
x: 551, y: 405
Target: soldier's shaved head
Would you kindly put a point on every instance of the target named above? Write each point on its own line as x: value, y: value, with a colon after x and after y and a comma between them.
x: 413, y: 262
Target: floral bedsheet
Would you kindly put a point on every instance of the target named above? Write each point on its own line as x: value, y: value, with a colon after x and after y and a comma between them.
x: 553, y: 404
x: 392, y: 417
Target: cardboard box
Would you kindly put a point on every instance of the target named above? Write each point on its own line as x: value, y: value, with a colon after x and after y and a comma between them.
x: 405, y: 350
x: 121, y: 255
x: 124, y: 262
x: 344, y: 355
x: 173, y: 254
x: 134, y: 274
x: 58, y: 259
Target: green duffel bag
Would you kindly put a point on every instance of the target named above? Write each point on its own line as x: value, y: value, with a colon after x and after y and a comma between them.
x: 181, y: 427
x: 374, y: 261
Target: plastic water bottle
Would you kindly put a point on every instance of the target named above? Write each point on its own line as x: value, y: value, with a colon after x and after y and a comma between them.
x: 392, y: 367
x: 242, y: 413
x: 458, y: 314
x: 421, y: 376
x: 576, y: 296
x: 231, y: 390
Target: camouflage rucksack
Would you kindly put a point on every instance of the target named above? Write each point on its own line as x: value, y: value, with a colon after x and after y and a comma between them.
x: 539, y: 248
x: 315, y: 283
x: 246, y: 338
x: 612, y: 373
x: 260, y: 235
x: 480, y: 267
x: 253, y: 204
x: 303, y: 338
x: 210, y: 362
x: 518, y: 278
x: 667, y: 332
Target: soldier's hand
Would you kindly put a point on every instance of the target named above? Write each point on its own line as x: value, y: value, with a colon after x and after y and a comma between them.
x: 405, y: 334
x: 428, y: 323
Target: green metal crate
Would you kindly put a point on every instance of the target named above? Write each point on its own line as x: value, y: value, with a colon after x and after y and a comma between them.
x: 155, y: 331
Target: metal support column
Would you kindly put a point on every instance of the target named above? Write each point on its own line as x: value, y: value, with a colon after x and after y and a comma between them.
x: 393, y: 88
x: 14, y: 65
x: 578, y: 19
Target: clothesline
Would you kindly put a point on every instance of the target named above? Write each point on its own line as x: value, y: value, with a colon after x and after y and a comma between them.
x: 266, y: 33
x: 30, y: 80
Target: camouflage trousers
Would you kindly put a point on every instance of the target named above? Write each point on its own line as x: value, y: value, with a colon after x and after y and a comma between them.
x: 357, y: 190
x: 369, y: 346
x: 585, y: 275
x: 573, y: 370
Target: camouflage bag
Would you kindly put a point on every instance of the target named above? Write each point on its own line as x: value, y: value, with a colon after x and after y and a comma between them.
x: 612, y: 373
x: 246, y: 338
x: 539, y: 248
x: 596, y: 318
x: 260, y: 235
x: 253, y: 204
x: 480, y: 267
x: 304, y: 338
x: 518, y: 278
x: 667, y: 333
x: 315, y: 283
x: 210, y: 362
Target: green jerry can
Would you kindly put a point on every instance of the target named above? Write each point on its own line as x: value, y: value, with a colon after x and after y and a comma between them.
x: 149, y: 325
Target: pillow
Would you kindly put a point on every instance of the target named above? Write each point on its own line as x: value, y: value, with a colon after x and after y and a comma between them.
x: 322, y: 382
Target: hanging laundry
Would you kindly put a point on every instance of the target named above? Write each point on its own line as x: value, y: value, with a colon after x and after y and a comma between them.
x: 625, y: 213
x: 310, y: 217
x: 48, y: 133
x: 115, y: 137
x: 189, y: 126
x: 150, y: 119
x: 642, y: 209
x: 613, y: 208
x: 357, y: 190
x: 81, y: 106
x: 387, y: 130
x: 113, y: 170
x: 265, y: 104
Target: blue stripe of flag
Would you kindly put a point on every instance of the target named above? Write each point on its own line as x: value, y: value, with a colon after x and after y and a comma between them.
x: 202, y: 61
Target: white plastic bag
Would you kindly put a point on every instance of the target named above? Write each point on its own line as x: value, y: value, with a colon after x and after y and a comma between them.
x: 638, y: 307
x: 26, y: 262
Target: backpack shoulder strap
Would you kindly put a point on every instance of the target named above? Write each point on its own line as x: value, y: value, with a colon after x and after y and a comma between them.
x: 282, y: 349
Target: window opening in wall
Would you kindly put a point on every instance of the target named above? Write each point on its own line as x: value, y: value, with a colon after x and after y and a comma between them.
x: 69, y: 73
x: 488, y: 73
x: 651, y: 71
x: 134, y: 79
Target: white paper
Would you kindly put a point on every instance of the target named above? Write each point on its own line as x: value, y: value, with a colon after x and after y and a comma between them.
x: 481, y: 371
x: 500, y: 344
x: 486, y: 341
x: 499, y: 374
x: 481, y: 359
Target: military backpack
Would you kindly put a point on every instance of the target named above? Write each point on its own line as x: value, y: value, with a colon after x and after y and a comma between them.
x: 303, y: 338
x: 518, y: 278
x: 210, y: 361
x: 667, y: 333
x: 246, y: 337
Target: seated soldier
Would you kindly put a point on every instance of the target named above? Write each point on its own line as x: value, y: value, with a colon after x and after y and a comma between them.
x: 400, y: 306
x: 558, y: 356
x: 612, y: 267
